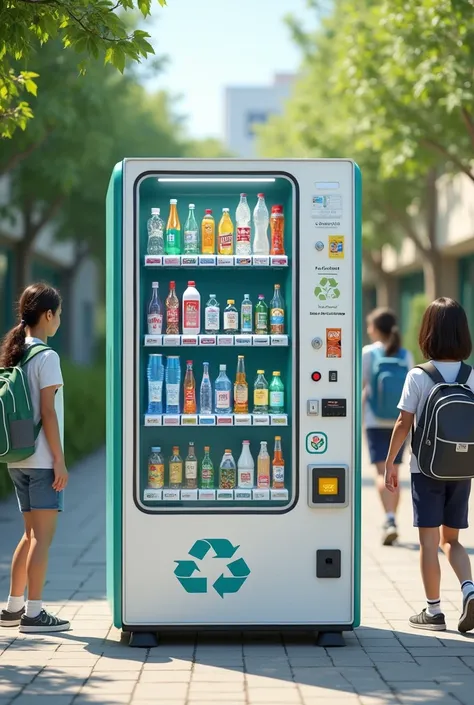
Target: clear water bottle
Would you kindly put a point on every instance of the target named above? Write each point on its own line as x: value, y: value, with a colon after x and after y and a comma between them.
x: 173, y: 385
x: 155, y: 311
x: 242, y: 222
x: 191, y: 233
x: 223, y: 392
x: 205, y: 394
x: 155, y: 227
x: 155, y: 374
x: 261, y: 219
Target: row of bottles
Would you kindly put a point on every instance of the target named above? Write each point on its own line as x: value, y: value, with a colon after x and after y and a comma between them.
x: 189, y: 474
x: 168, y: 240
x: 261, y: 320
x: 164, y: 386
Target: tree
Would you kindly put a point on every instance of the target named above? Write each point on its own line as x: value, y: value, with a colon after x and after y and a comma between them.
x: 91, y: 28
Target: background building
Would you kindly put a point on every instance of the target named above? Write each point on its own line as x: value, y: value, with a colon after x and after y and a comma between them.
x: 248, y: 106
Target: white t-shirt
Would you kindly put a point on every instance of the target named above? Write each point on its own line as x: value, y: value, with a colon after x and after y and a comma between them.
x: 417, y: 388
x: 44, y: 370
x: 370, y: 420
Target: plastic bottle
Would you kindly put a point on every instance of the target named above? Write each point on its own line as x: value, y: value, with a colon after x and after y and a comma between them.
x: 231, y: 318
x: 191, y: 468
x: 191, y: 233
x: 242, y: 223
x: 191, y: 310
x: 245, y: 467
x: 155, y: 227
x: 176, y: 469
x: 155, y: 375
x: 212, y: 315
x: 277, y: 231
x: 156, y: 469
x: 173, y: 384
x: 263, y: 467
x: 278, y: 466
x: 227, y: 471
x: 155, y: 311
x: 260, y: 394
x: 173, y: 230
x: 241, y: 389
x: 189, y: 405
x: 172, y: 311
x: 277, y: 313
x: 277, y: 395
x: 246, y: 315
x: 261, y: 316
x: 225, y: 235
x: 205, y: 392
x: 208, y: 233
x: 223, y: 392
x: 261, y: 245
x: 207, y: 471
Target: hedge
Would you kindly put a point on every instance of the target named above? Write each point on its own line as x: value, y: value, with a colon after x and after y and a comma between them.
x: 84, y: 415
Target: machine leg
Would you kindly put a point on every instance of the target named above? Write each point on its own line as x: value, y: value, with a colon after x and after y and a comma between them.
x: 330, y: 639
x: 143, y: 640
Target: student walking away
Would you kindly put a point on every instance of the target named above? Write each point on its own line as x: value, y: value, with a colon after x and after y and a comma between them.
x: 31, y: 442
x: 438, y: 400
x: 385, y: 365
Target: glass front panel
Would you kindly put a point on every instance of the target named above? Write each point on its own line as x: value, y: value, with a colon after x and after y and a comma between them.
x: 168, y: 412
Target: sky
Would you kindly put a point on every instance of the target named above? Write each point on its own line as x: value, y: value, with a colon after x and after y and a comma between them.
x: 212, y: 44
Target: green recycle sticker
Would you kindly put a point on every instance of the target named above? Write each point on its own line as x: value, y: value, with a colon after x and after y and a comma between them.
x: 328, y: 289
x: 225, y: 584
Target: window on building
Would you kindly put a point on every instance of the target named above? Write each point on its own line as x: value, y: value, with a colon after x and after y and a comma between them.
x: 255, y: 118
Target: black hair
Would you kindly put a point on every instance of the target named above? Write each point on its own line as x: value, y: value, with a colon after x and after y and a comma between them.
x: 385, y: 321
x: 444, y: 332
x: 34, y: 301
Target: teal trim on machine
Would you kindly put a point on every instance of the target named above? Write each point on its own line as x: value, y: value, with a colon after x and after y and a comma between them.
x: 114, y: 274
x: 357, y: 392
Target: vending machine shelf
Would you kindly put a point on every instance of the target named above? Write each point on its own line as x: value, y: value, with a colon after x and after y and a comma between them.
x: 225, y: 261
x: 216, y: 420
x: 173, y: 341
x: 215, y: 495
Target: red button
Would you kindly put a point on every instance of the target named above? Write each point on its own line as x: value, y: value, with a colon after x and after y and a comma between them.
x: 316, y: 376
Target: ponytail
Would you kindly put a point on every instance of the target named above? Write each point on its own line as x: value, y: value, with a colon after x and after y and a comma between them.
x: 36, y: 300
x: 13, y: 346
x: 384, y: 320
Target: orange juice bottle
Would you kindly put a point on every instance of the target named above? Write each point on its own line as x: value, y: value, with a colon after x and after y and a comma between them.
x: 189, y: 390
x: 278, y: 466
x: 263, y: 467
x: 225, y: 236
x: 208, y: 234
x: 241, y: 389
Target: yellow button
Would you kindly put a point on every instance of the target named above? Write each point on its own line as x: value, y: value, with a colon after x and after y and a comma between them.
x: 328, y: 485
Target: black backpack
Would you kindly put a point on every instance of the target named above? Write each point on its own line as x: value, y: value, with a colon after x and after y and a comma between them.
x: 443, y: 442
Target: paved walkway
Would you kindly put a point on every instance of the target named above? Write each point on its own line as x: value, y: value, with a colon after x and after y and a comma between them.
x: 384, y: 662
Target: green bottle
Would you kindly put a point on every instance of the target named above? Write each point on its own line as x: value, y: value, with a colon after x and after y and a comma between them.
x: 261, y: 316
x: 277, y: 395
x: 191, y: 233
x: 207, y: 471
x: 173, y: 231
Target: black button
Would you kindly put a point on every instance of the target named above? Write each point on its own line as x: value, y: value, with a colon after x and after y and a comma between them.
x: 333, y: 375
x: 316, y: 376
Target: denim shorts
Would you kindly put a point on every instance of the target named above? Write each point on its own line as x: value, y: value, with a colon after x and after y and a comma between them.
x: 378, y: 440
x: 439, y: 503
x: 34, y: 489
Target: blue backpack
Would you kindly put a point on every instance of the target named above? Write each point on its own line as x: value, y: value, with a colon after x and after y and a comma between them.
x: 388, y: 378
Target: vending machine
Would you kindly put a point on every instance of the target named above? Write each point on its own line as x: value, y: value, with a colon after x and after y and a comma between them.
x: 272, y: 304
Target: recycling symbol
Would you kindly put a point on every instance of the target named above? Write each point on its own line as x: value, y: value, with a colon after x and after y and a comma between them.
x: 238, y: 570
x: 327, y: 289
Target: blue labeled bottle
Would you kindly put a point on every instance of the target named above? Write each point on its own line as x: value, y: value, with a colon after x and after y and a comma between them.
x: 155, y: 375
x: 173, y: 385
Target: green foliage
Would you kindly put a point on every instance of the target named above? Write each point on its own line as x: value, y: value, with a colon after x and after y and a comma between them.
x: 418, y: 306
x: 92, y: 29
x: 84, y: 410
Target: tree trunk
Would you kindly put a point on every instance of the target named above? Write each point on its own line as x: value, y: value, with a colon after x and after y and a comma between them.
x: 22, y: 271
x: 432, y: 275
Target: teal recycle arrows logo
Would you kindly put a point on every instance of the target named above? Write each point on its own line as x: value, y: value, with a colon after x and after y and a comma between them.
x: 225, y: 584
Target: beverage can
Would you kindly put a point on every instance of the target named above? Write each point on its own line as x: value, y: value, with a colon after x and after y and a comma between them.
x: 334, y: 342
x: 156, y: 476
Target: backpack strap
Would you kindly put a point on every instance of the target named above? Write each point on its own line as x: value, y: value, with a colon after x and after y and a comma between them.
x: 432, y: 372
x: 32, y: 351
x: 464, y: 373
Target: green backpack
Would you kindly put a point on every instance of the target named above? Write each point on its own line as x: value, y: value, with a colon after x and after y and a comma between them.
x: 18, y: 431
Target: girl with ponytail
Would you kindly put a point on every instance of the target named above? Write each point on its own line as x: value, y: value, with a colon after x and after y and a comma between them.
x: 379, y: 397
x: 39, y: 480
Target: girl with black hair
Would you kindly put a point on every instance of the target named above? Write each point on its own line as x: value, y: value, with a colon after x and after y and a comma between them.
x: 39, y: 480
